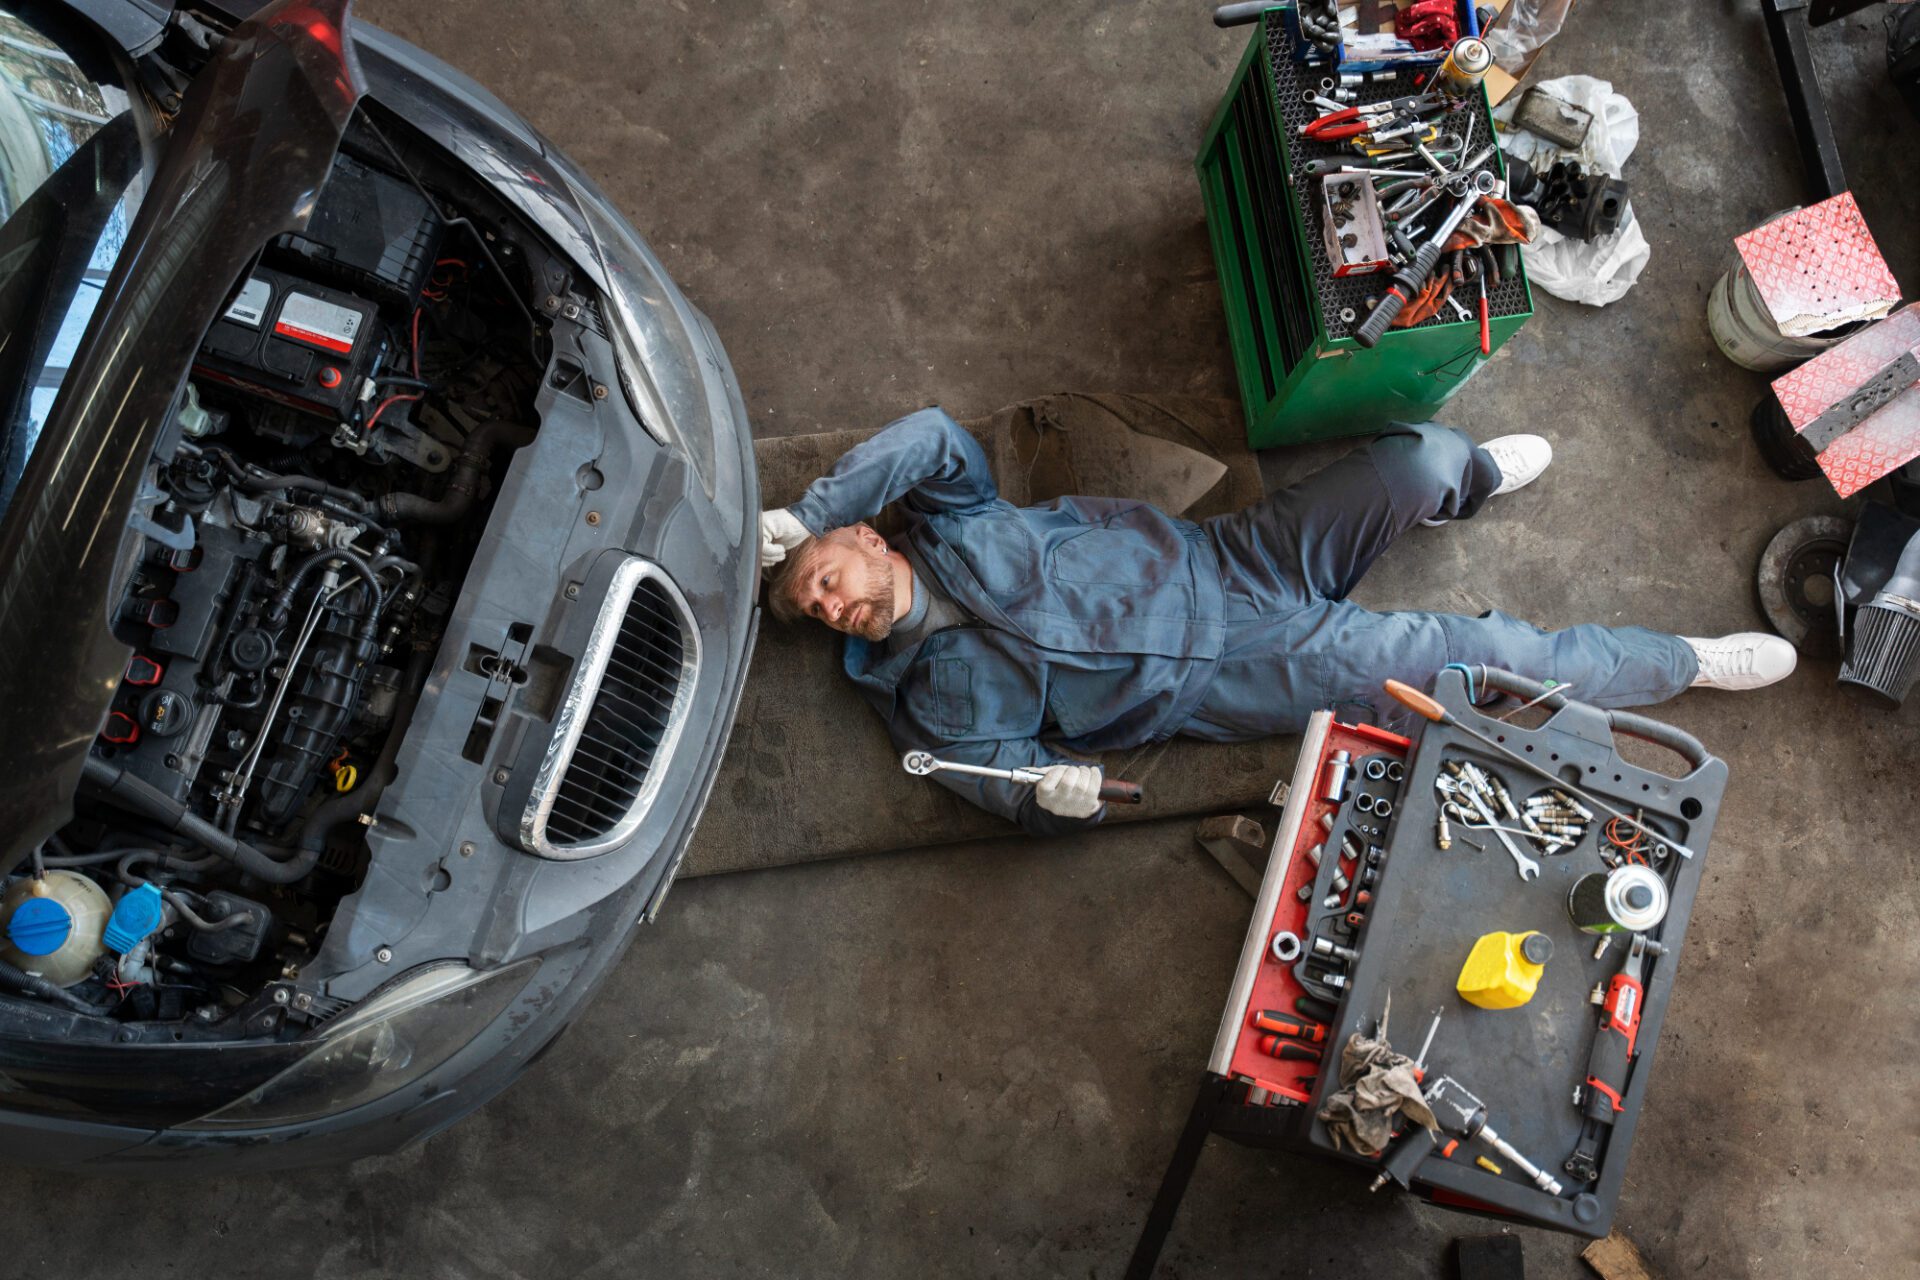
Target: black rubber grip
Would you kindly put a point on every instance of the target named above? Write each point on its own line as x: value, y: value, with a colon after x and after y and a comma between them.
x: 1121, y: 792
x: 1381, y: 317
x: 1406, y: 282
x: 1239, y: 15
x: 1678, y: 741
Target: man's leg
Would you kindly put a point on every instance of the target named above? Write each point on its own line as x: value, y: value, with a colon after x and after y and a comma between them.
x: 1318, y: 538
x: 1338, y: 655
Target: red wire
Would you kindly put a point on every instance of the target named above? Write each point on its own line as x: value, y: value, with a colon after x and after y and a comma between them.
x: 416, y: 344
x: 371, y: 422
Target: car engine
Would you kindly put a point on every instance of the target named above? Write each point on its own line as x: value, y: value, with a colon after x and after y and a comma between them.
x: 304, y: 532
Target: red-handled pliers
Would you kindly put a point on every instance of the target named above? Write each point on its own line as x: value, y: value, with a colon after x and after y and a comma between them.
x: 1337, y: 126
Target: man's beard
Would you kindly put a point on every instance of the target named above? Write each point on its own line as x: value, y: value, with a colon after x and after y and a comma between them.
x: 878, y: 623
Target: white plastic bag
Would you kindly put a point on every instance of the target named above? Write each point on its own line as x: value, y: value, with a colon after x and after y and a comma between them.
x: 1598, y: 271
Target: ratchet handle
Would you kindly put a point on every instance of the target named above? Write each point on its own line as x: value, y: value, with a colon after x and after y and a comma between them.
x: 1407, y: 282
x: 1121, y: 792
x: 1239, y: 15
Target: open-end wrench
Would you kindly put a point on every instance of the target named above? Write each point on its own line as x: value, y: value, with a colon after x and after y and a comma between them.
x: 1529, y: 869
x: 922, y: 763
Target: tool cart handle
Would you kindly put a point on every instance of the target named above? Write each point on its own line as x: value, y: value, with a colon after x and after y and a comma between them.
x: 1678, y: 741
x: 1239, y: 15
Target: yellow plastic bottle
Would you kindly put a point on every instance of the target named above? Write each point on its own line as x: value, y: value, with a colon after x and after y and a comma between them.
x: 1503, y: 969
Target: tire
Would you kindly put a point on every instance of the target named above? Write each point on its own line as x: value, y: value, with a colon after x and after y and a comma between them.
x: 1795, y: 581
x: 1781, y: 447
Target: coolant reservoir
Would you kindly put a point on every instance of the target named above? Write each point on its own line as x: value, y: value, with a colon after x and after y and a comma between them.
x: 52, y: 927
x: 1503, y: 969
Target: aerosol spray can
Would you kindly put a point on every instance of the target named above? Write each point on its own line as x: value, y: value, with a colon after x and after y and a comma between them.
x: 1625, y: 900
x: 1466, y: 65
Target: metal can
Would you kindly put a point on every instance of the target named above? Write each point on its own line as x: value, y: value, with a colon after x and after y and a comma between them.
x: 1625, y: 900
x: 1466, y: 65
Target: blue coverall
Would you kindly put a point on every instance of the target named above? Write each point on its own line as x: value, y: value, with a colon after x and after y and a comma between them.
x: 1107, y: 624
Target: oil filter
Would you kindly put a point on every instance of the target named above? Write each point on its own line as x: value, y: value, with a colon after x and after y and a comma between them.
x: 1625, y: 900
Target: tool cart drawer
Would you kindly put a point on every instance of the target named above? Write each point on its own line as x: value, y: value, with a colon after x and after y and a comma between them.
x: 1527, y: 1065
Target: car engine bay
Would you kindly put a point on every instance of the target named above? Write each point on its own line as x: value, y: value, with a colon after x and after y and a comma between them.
x: 305, y: 528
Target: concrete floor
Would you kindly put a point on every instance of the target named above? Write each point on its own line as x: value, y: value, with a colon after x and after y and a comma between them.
x: 974, y: 1061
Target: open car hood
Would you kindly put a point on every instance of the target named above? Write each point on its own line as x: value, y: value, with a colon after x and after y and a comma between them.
x: 245, y: 160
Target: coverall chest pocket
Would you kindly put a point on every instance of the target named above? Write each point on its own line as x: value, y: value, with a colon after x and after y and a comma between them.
x: 952, y: 697
x: 1097, y: 555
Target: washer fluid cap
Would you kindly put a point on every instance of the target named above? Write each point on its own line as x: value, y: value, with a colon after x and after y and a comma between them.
x: 138, y: 914
x: 40, y: 926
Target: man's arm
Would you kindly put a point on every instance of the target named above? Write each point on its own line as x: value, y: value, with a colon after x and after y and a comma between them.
x: 925, y: 457
x: 1017, y: 801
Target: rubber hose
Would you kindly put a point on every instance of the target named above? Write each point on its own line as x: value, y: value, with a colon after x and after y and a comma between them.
x: 269, y: 481
x: 283, y: 599
x: 118, y: 787
x: 178, y: 902
x: 463, y: 478
x: 27, y: 984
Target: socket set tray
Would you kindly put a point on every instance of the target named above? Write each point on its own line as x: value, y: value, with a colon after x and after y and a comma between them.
x: 1427, y: 906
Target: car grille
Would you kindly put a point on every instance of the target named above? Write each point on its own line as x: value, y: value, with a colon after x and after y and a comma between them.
x: 620, y: 719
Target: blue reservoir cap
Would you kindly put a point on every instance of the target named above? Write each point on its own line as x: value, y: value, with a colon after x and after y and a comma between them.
x: 39, y: 926
x: 138, y: 914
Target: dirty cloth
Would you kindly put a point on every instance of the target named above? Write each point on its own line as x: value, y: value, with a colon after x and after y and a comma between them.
x: 1376, y: 1085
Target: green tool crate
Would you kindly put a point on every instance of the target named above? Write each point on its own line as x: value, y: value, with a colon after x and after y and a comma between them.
x: 1300, y: 377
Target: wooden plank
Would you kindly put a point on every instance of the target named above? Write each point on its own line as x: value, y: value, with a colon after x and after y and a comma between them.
x: 1615, y: 1258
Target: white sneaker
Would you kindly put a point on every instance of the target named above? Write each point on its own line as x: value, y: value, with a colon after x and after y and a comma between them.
x: 1520, y: 458
x: 1743, y: 660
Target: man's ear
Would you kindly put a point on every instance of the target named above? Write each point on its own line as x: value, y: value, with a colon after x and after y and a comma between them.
x: 870, y: 539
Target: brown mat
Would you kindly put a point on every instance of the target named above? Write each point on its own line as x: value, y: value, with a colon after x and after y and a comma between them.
x: 810, y: 773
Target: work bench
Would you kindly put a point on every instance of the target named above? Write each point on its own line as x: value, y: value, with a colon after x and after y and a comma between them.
x: 1423, y: 909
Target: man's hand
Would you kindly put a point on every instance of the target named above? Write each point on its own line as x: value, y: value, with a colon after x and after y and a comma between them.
x: 1069, y: 790
x: 780, y: 532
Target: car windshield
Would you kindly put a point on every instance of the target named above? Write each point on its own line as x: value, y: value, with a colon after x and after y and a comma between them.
x: 70, y: 180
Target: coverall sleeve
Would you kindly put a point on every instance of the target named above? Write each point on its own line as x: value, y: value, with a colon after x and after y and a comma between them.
x: 1014, y: 800
x: 925, y: 457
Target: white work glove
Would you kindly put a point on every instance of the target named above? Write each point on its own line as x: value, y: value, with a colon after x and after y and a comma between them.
x: 780, y: 532
x: 1069, y: 790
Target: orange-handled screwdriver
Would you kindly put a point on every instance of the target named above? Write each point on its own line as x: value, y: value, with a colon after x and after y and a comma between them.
x: 1274, y: 1046
x: 1280, y: 1024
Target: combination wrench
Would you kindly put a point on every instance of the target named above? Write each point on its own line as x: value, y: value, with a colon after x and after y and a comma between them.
x: 1529, y: 869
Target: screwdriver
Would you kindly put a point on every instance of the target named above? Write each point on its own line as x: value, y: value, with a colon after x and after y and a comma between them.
x: 1280, y: 1024
x: 1275, y: 1047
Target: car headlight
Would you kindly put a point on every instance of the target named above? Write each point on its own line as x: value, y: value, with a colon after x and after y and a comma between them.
x: 660, y: 369
x: 380, y: 1047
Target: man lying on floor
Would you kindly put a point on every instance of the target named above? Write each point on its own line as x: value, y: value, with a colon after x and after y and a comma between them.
x: 1005, y: 636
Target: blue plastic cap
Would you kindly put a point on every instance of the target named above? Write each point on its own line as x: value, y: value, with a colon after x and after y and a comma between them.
x: 39, y: 926
x: 138, y: 914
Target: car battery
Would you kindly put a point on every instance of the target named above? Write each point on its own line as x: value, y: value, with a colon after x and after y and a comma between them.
x: 300, y: 344
x: 1385, y: 910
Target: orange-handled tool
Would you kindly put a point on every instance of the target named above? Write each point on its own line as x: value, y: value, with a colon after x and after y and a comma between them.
x: 1280, y: 1024
x: 1429, y: 708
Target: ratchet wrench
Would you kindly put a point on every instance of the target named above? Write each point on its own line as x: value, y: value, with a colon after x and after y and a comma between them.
x: 1529, y: 869
x: 922, y: 763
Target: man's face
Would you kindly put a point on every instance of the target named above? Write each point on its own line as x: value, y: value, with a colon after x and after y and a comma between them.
x: 849, y: 585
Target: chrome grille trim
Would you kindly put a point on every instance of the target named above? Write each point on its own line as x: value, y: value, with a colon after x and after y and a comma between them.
x: 647, y: 693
